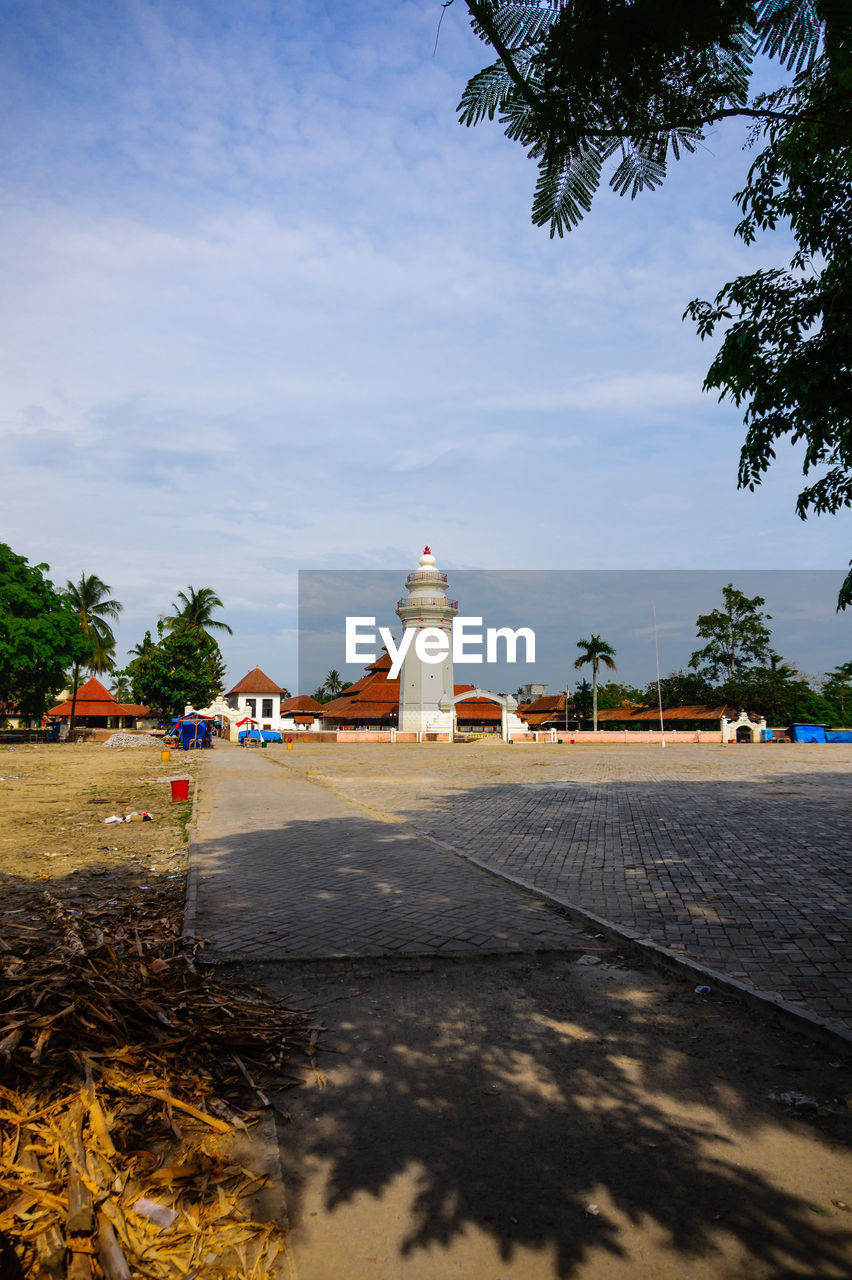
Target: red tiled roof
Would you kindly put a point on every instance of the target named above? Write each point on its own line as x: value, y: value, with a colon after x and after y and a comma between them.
x: 256, y: 681
x: 94, y: 700
x: 363, y: 710
x: 698, y: 711
x: 304, y: 702
x: 553, y: 702
x: 373, y: 697
x: 475, y: 708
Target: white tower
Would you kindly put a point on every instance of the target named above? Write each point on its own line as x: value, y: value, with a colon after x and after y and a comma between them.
x: 423, y: 686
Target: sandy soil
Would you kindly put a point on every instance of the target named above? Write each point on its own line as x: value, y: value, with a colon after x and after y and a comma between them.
x: 53, y: 802
x: 540, y: 1119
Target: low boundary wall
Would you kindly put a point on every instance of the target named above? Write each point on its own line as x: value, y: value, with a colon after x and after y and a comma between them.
x: 544, y: 737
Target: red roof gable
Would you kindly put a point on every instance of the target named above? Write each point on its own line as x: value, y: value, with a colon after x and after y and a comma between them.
x: 255, y: 681
x: 94, y: 700
x: 304, y: 702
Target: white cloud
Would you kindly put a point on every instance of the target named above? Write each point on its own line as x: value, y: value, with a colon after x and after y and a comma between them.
x: 268, y: 306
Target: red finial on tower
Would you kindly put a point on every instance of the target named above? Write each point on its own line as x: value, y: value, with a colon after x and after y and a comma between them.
x: 426, y: 551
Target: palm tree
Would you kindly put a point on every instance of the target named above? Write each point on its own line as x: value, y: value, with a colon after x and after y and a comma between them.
x: 120, y: 686
x: 596, y: 651
x: 102, y: 657
x: 196, y: 610
x: 90, y: 598
x: 333, y: 683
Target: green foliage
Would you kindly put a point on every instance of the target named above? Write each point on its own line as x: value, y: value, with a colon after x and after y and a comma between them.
x: 582, y: 700
x: 777, y: 692
x: 196, y: 610
x: 837, y: 691
x: 333, y: 683
x: 612, y: 696
x: 595, y: 651
x: 40, y: 635
x: 91, y: 601
x: 737, y: 636
x: 93, y: 606
x: 680, y: 689
x: 121, y: 685
x: 184, y: 668
x: 623, y: 86
x: 331, y: 688
x: 593, y: 85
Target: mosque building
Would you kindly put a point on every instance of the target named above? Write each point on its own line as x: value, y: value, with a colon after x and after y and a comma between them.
x: 425, y: 700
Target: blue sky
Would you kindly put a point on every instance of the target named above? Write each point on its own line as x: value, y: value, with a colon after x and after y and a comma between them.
x: 268, y: 307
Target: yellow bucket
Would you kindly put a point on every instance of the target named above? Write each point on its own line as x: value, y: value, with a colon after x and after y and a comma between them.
x: 165, y: 755
x: 289, y: 746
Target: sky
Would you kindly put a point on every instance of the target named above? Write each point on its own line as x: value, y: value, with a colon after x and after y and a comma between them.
x: 268, y: 307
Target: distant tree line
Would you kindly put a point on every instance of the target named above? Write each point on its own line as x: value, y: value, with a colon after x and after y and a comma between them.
x: 736, y: 665
x: 50, y: 637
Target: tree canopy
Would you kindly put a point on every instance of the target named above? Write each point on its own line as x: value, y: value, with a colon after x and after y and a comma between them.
x: 181, y: 670
x: 40, y: 636
x: 737, y: 636
x: 622, y: 87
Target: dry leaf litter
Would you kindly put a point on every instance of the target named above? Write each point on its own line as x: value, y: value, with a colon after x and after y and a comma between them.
x: 124, y: 1069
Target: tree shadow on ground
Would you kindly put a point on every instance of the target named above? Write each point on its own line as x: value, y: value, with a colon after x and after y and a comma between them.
x: 521, y: 1097
x: 517, y: 1101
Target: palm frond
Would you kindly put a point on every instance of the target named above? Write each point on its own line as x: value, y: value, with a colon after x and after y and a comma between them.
x: 565, y: 189
x: 643, y: 164
x: 523, y: 22
x: 790, y: 30
x: 484, y: 94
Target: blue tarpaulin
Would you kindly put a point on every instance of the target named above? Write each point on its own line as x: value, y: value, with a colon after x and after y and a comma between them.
x: 807, y: 733
x: 260, y: 735
x: 193, y: 732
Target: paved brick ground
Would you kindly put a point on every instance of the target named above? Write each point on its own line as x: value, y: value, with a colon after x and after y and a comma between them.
x: 285, y: 870
x: 759, y: 891
x: 738, y: 858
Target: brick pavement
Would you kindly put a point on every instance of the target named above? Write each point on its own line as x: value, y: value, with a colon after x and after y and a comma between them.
x: 287, y: 870
x: 754, y: 886
x: 738, y: 859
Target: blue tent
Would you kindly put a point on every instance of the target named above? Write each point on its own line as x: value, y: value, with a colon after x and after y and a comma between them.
x: 194, y: 731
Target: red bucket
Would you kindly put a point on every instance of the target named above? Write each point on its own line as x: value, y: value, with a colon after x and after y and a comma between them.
x: 180, y: 788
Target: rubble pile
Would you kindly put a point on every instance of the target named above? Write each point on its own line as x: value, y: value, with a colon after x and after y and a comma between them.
x: 124, y: 1071
x: 133, y: 740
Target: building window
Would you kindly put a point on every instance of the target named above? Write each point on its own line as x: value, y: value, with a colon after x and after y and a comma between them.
x: 267, y: 707
x: 251, y: 707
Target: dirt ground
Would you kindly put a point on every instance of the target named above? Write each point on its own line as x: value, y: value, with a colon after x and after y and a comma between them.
x: 543, y: 1118
x: 54, y: 798
x: 525, y: 1118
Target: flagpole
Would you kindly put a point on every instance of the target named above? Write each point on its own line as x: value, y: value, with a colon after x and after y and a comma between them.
x: 659, y: 691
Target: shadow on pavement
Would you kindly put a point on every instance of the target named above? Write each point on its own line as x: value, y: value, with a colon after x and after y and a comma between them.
x: 557, y: 1109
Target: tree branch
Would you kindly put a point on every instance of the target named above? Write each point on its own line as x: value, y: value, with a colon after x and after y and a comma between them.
x: 480, y: 13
